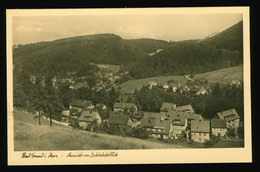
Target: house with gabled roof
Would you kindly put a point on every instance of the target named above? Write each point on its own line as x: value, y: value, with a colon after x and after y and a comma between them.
x: 150, y: 84
x: 178, y: 123
x: 202, y: 91
x: 192, y: 116
x: 121, y: 106
x: 133, y: 122
x: 79, y: 104
x: 185, y: 108
x: 87, y: 117
x: 200, y: 130
x: 155, y: 125
x: 167, y: 107
x: 119, y: 120
x: 218, y: 127
x: 235, y: 83
x: 165, y: 87
x: 231, y: 117
x: 101, y: 106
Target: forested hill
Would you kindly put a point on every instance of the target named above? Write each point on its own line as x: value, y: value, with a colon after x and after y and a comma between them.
x: 149, y: 45
x: 195, y: 56
x: 174, y: 58
x: 68, y: 52
x: 231, y: 38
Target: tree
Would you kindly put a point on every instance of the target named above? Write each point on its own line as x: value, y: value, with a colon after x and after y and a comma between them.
x: 53, y: 104
x: 65, y: 94
x: 37, y: 99
x: 112, y: 97
x: 216, y: 90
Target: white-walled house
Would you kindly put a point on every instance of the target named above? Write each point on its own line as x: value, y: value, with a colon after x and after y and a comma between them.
x: 155, y: 125
x: 231, y: 117
x: 200, y: 130
x: 218, y: 127
x: 87, y: 117
x: 178, y: 125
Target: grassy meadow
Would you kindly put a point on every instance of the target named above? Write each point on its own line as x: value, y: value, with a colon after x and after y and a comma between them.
x: 108, y: 68
x: 29, y: 136
x: 222, y: 76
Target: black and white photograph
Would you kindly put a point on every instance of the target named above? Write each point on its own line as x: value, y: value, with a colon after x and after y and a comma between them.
x: 128, y: 86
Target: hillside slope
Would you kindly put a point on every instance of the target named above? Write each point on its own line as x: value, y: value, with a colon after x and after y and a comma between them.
x: 29, y: 136
x: 222, y: 76
x: 103, y: 48
x: 231, y: 38
x: 149, y: 45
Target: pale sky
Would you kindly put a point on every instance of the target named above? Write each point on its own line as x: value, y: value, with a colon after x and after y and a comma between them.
x: 169, y: 27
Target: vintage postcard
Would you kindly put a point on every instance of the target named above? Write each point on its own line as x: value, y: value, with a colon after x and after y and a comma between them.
x: 128, y: 86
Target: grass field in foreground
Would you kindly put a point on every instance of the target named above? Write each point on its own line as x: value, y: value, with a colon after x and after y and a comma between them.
x: 222, y: 76
x: 29, y: 136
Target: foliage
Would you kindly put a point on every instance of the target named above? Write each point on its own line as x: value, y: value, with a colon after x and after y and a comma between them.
x: 240, y: 131
x: 73, y: 122
x: 222, y: 98
x: 213, y: 140
x: 231, y: 38
x: 230, y: 132
x: 65, y: 94
x: 138, y: 133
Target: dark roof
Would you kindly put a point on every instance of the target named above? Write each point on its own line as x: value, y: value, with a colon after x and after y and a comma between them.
x: 167, y: 106
x: 122, y: 105
x: 175, y: 117
x: 228, y: 115
x: 118, y: 119
x: 178, y: 120
x: 80, y: 103
x: 154, y: 120
x: 189, y: 116
x: 185, y: 108
x: 193, y: 116
x: 218, y: 123
x: 88, y: 116
x: 200, y: 126
x: 133, y: 122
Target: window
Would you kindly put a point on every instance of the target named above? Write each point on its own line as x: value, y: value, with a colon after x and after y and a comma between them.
x: 194, y: 134
x: 200, y: 134
x: 205, y: 134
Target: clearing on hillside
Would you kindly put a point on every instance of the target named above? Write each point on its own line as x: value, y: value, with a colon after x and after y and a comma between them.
x: 222, y: 76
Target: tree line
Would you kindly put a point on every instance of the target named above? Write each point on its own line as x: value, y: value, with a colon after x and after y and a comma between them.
x: 221, y: 98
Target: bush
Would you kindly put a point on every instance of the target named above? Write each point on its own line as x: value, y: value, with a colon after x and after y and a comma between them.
x: 139, y: 133
x: 73, y: 123
x: 231, y: 132
x: 213, y: 140
x: 240, y: 131
x: 57, y: 117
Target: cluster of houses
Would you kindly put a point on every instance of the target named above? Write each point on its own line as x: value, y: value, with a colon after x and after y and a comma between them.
x: 170, y: 123
x: 182, y: 89
x: 193, y: 88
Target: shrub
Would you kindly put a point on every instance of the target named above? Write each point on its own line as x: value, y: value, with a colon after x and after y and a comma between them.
x: 57, y: 117
x: 73, y: 123
x: 139, y: 133
x: 231, y: 132
x: 213, y: 140
x: 240, y: 131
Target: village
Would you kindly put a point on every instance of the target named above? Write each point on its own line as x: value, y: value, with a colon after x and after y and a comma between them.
x: 172, y: 122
